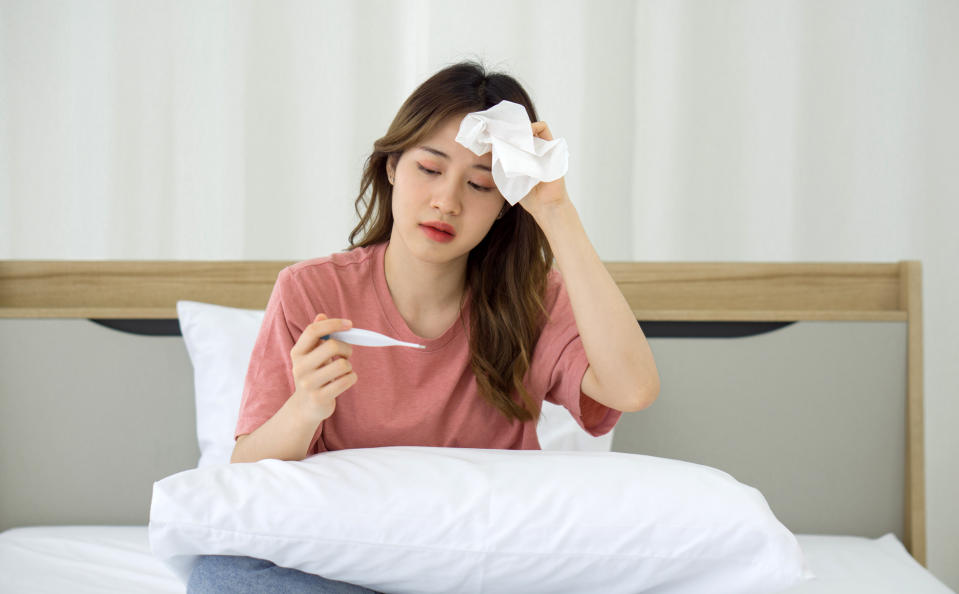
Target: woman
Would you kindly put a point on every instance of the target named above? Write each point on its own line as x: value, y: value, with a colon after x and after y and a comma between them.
x: 441, y: 259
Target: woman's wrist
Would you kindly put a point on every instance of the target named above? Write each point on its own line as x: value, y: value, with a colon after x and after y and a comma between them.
x: 557, y: 220
x: 302, y: 414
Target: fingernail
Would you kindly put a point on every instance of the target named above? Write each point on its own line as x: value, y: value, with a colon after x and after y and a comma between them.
x: 347, y: 324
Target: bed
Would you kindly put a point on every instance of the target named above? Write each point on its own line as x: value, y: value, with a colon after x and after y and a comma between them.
x: 803, y: 380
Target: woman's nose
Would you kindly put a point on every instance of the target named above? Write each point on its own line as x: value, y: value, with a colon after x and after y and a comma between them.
x: 447, y: 199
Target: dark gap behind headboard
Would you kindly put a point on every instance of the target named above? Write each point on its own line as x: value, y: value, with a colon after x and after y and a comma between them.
x: 146, y: 327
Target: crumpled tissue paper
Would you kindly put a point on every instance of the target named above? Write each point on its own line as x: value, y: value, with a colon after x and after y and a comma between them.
x: 520, y: 160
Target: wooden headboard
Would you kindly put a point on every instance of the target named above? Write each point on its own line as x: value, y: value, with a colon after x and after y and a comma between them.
x: 657, y: 291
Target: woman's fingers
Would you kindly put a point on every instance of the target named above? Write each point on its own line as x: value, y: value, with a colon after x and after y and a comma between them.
x: 327, y: 381
x: 330, y: 349
x: 333, y: 370
x: 317, y: 362
x: 313, y: 334
x: 339, y: 385
x: 541, y: 130
x: 325, y: 377
x: 321, y: 367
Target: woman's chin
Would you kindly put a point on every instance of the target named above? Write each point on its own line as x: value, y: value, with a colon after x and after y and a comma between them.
x: 439, y: 253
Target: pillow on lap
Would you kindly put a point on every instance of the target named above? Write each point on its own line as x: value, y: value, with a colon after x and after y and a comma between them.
x: 423, y: 519
x: 220, y: 340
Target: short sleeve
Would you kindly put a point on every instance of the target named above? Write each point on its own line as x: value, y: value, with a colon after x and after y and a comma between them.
x: 269, y: 377
x: 560, y: 348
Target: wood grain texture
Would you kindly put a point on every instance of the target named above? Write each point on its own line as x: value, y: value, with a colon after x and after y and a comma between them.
x: 130, y: 289
x: 655, y: 291
x: 915, y: 516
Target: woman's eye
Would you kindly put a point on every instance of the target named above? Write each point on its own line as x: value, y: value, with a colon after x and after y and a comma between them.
x: 481, y: 188
x: 475, y: 186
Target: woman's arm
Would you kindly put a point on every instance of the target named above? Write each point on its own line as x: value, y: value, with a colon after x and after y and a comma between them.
x: 285, y: 436
x: 321, y: 371
x: 622, y: 373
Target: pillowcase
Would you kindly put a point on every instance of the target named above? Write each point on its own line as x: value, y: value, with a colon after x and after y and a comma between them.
x: 558, y: 430
x: 429, y: 519
x: 220, y: 340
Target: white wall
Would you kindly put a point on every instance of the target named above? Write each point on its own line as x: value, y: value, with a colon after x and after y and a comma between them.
x: 752, y: 130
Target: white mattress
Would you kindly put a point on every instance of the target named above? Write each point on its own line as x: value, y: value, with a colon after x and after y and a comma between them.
x: 859, y: 565
x: 81, y: 560
x: 99, y: 559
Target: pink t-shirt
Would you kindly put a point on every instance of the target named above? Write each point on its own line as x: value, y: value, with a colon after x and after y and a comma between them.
x: 407, y: 396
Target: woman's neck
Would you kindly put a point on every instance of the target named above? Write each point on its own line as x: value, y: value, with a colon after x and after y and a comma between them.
x: 424, y: 292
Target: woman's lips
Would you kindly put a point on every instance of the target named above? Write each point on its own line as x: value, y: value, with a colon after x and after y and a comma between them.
x: 436, y: 234
x: 441, y: 226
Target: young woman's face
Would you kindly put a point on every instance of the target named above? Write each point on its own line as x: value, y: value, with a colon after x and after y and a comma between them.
x: 440, y: 182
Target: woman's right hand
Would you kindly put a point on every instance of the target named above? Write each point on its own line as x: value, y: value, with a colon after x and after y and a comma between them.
x: 321, y: 368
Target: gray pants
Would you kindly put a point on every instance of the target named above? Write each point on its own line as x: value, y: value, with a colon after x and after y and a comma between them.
x: 240, y: 575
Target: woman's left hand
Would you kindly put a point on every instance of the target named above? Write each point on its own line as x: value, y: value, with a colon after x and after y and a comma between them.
x: 545, y: 194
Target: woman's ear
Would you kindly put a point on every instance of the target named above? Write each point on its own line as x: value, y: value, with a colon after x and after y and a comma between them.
x: 391, y: 167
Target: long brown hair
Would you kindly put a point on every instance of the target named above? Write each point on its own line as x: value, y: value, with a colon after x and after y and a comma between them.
x: 506, y: 273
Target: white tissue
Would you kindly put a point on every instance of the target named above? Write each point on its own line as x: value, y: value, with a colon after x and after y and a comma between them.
x: 520, y: 160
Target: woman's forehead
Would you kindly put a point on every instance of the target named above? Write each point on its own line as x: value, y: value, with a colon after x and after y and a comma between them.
x: 442, y: 144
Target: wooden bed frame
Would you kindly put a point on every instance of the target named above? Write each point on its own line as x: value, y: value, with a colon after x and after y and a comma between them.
x: 657, y: 291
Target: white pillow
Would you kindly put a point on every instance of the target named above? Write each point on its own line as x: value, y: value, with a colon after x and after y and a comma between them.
x: 220, y: 340
x: 558, y: 430
x: 424, y: 519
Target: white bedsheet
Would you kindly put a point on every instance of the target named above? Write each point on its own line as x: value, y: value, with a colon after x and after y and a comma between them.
x: 81, y: 560
x: 860, y: 565
x: 100, y: 559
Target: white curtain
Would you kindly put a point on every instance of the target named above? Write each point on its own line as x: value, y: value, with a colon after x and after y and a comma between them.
x: 741, y: 130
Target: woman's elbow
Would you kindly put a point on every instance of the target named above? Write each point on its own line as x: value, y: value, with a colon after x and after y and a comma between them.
x: 647, y: 395
x: 236, y: 446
